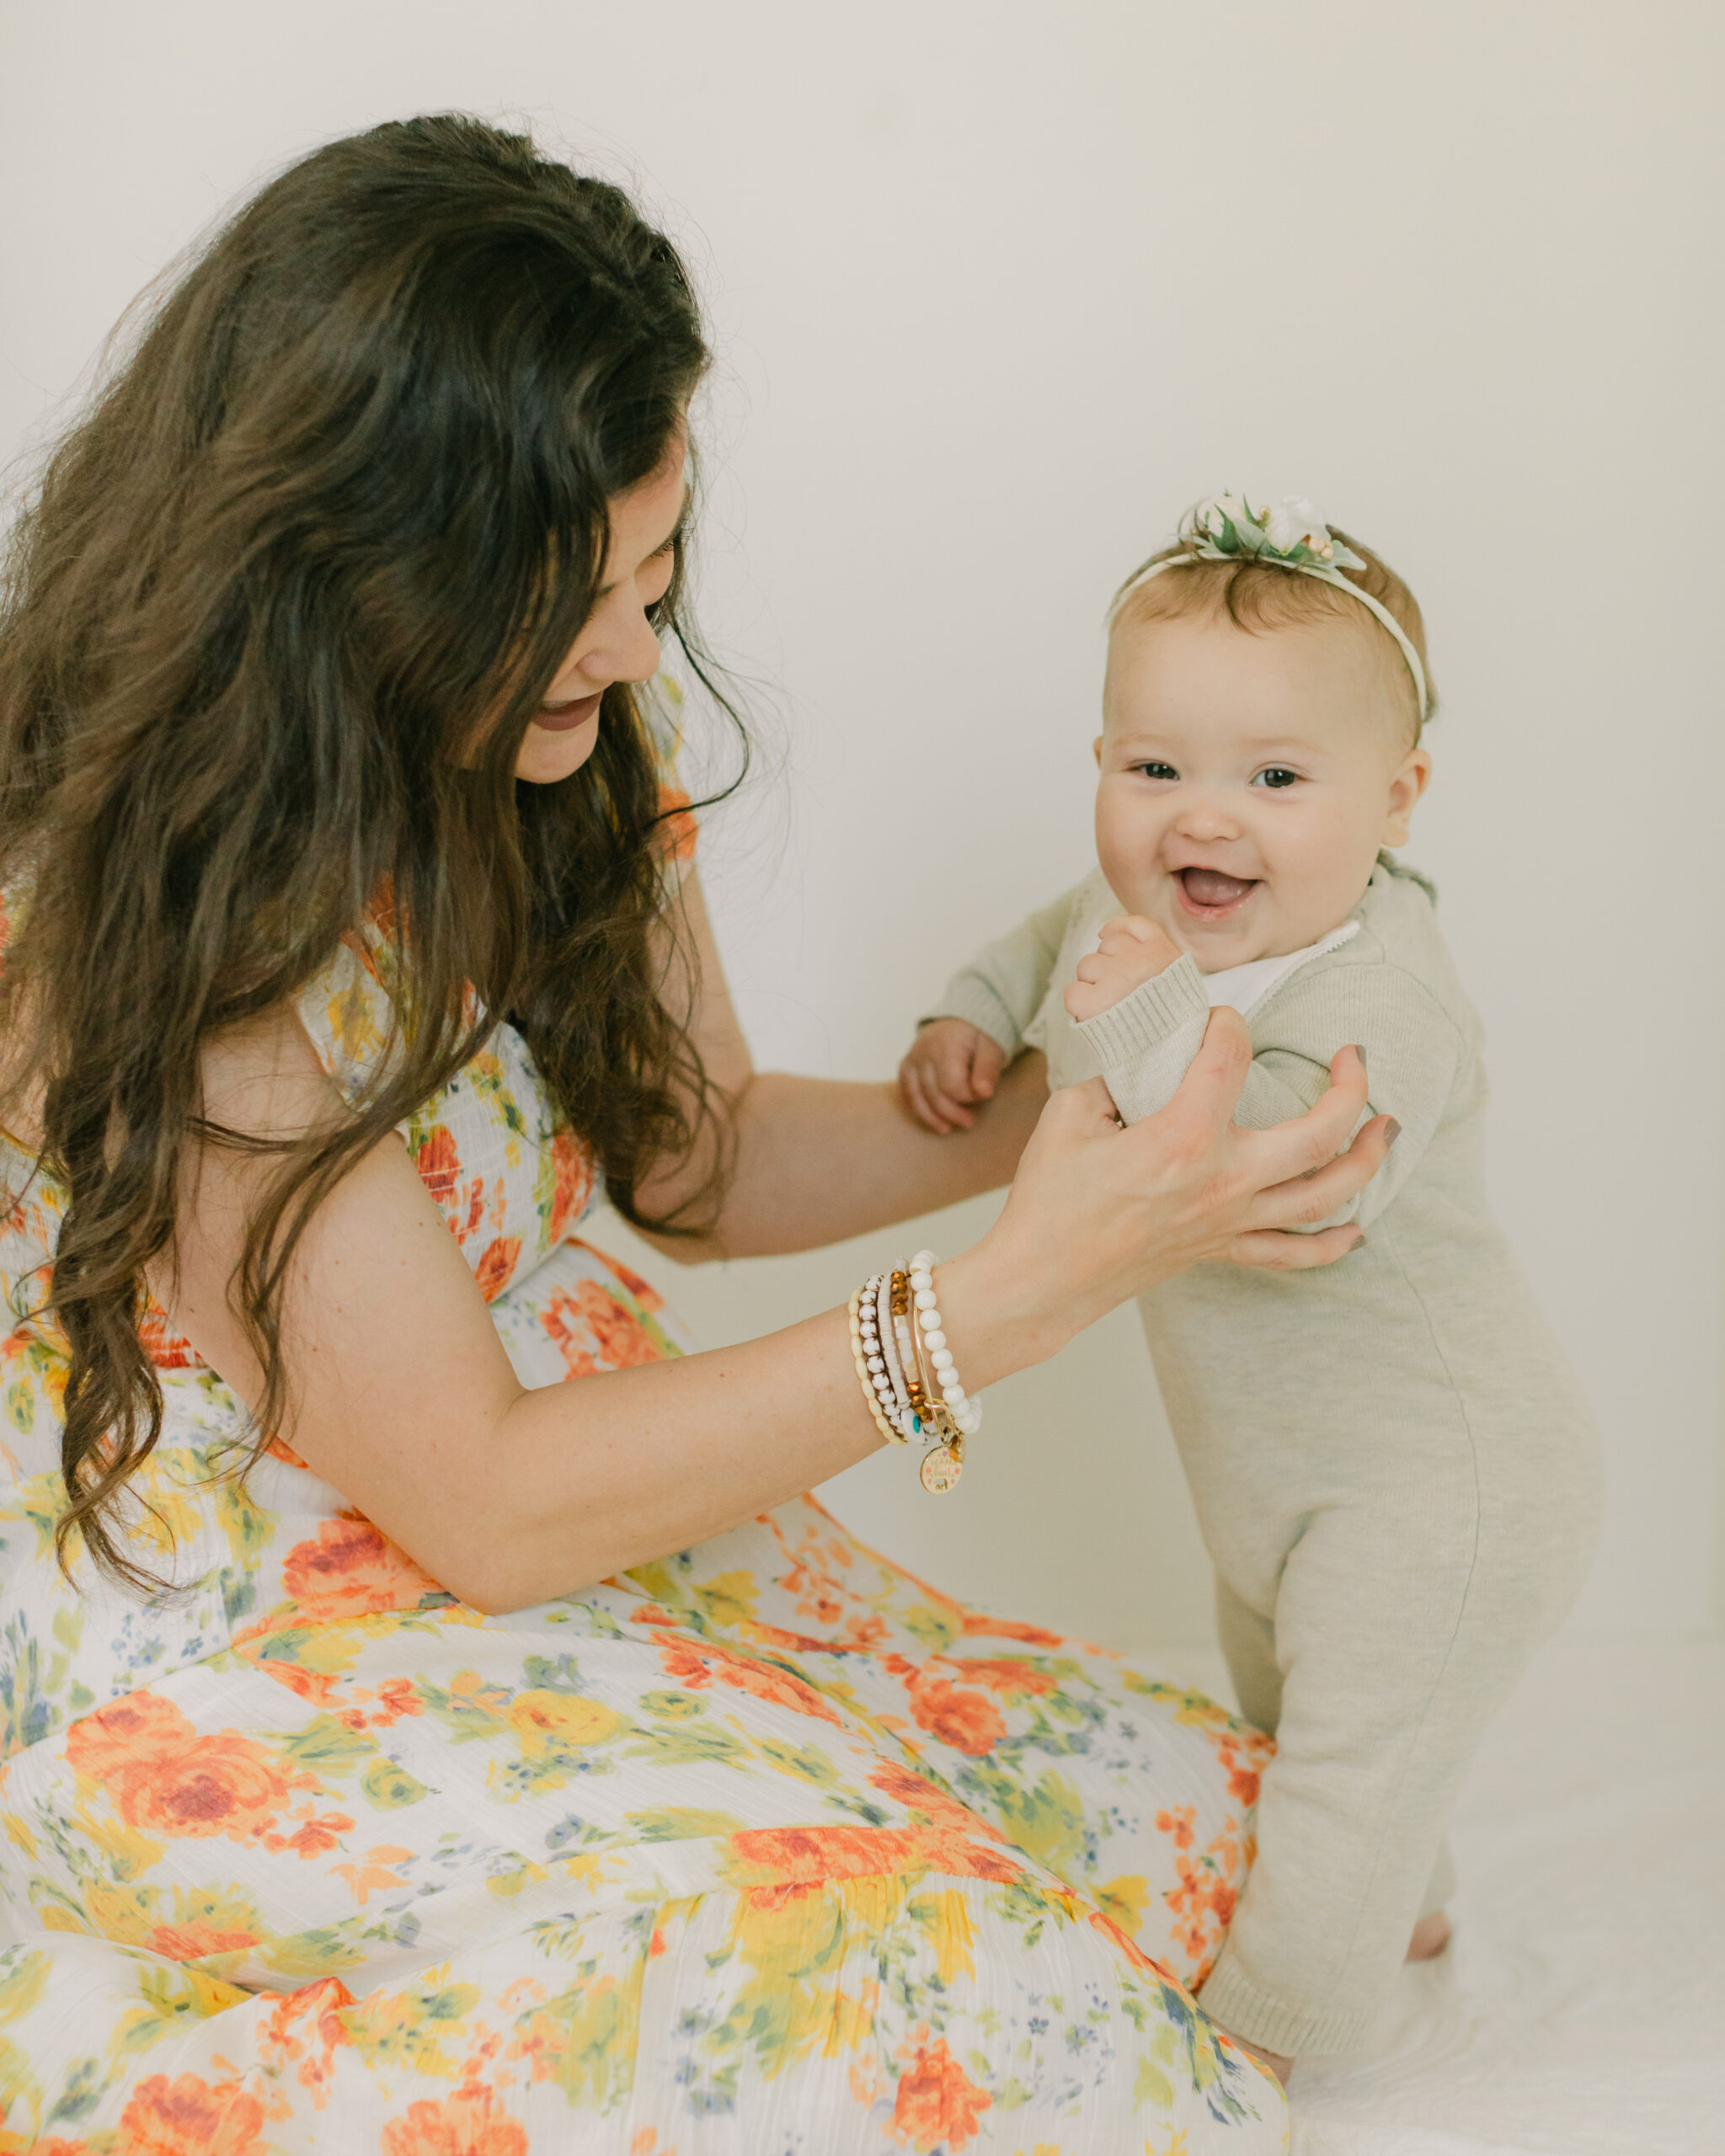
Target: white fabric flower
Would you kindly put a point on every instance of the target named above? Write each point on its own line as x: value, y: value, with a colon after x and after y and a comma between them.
x: 1293, y: 521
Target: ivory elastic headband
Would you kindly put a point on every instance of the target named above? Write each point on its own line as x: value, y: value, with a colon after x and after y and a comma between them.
x: 1293, y: 536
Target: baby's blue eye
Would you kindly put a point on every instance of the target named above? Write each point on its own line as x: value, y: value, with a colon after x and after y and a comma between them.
x: 1156, y: 771
x: 1277, y: 776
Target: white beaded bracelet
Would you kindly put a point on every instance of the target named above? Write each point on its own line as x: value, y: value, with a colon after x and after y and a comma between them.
x: 867, y: 1361
x: 872, y: 1367
x: 965, y: 1411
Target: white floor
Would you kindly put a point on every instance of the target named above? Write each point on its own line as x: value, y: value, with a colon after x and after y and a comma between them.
x: 1581, y: 2010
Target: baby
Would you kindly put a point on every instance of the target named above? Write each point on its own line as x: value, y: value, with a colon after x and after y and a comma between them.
x: 1393, y: 1467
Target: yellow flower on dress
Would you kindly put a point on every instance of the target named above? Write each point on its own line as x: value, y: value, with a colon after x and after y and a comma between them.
x: 547, y: 1721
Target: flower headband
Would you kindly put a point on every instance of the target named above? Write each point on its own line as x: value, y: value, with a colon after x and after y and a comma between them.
x: 1293, y: 536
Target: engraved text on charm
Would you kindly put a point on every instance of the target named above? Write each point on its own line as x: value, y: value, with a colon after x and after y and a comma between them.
x: 942, y: 1467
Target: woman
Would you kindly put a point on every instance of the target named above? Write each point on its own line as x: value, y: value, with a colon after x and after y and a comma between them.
x: 436, y: 1722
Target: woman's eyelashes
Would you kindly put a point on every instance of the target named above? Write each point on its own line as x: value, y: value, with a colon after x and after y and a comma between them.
x: 656, y: 572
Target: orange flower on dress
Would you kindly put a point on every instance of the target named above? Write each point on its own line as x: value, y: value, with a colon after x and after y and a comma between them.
x: 643, y: 1291
x: 938, y: 2103
x: 686, y: 1662
x: 191, y: 1942
x: 351, y: 1569
x: 805, y: 1857
x: 306, y: 2030
x: 572, y: 1179
x: 162, y: 1777
x: 439, y: 1164
x: 497, y: 1267
x: 969, y: 1721
x: 959, y: 1850
x: 1243, y: 1774
x: 801, y: 1860
x: 917, y: 1794
x: 1133, y: 1951
x: 810, y: 1856
x: 1005, y: 1628
x: 141, y: 1728
x: 469, y: 2123
x: 1204, y: 1903
x: 222, y: 1785
x: 774, y: 1635
x: 618, y: 1334
x: 319, y: 1688
x: 1004, y: 1674
x: 591, y: 1329
x: 677, y: 832
x: 166, y: 1348
x: 1177, y: 1821
x: 189, y: 2117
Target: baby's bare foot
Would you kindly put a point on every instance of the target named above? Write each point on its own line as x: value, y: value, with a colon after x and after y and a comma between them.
x: 1431, y: 1935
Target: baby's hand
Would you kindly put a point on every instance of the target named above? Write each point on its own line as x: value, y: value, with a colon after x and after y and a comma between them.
x: 951, y: 1066
x: 1133, y: 950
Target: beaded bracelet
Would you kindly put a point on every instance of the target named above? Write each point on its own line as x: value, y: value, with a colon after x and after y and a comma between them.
x: 966, y: 1412
x: 907, y: 1371
x: 865, y: 1348
x: 930, y: 1419
x: 897, y: 1378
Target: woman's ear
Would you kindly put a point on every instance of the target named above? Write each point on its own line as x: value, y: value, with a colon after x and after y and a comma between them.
x: 1409, y: 782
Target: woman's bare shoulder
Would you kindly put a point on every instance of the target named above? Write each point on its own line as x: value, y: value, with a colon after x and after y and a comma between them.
x: 265, y: 1079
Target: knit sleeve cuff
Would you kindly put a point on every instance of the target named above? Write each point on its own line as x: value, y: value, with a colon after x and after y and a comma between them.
x: 1291, y: 2027
x: 1145, y: 1018
x: 1146, y: 1042
x: 969, y: 997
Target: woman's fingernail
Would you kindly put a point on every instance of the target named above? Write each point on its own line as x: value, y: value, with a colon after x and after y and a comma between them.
x: 1392, y: 1131
x: 1361, y: 1053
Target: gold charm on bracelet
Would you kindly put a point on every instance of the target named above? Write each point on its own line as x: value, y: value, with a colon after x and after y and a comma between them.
x: 942, y: 1466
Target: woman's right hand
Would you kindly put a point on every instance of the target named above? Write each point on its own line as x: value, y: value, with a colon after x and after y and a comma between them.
x: 1097, y: 1214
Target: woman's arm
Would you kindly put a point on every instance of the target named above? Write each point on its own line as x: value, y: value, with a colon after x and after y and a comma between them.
x: 403, y: 1399
x: 816, y: 1159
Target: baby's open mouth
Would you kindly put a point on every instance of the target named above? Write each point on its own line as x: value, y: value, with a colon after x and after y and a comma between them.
x: 1208, y: 891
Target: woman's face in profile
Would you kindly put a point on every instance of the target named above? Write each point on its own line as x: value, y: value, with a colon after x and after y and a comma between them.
x: 617, y: 643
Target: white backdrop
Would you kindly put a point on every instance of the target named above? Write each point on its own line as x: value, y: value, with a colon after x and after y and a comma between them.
x: 997, y: 287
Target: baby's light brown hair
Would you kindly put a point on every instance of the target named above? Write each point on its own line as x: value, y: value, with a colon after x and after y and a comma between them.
x: 1262, y: 596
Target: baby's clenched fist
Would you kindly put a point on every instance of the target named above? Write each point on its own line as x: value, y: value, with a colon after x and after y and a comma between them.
x: 952, y: 1066
x: 1132, y: 951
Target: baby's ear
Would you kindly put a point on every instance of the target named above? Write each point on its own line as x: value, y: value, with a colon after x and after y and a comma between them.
x: 1406, y: 787
x: 1096, y: 750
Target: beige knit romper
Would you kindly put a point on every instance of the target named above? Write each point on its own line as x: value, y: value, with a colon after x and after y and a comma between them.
x: 1393, y: 1467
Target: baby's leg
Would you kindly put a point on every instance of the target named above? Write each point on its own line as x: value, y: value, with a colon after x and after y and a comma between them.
x: 1431, y: 1928
x: 1248, y: 1643
x: 1398, y: 1631
x: 1249, y: 1646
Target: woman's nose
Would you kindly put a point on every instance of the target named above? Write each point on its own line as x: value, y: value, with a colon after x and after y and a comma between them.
x: 623, y: 647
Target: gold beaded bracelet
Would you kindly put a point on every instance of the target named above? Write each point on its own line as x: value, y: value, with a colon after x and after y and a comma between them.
x: 864, y: 1376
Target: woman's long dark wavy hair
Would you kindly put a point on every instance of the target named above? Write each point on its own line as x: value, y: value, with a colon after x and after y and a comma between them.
x: 274, y: 627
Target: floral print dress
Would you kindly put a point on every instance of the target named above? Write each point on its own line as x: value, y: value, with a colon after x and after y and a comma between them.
x: 767, y: 1849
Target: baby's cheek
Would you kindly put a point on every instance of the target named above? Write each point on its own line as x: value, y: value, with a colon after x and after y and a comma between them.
x: 1126, y: 853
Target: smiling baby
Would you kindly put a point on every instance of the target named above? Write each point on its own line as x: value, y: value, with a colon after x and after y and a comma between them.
x: 1393, y: 1467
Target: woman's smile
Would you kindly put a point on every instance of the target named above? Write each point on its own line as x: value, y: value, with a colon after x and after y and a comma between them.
x: 564, y: 717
